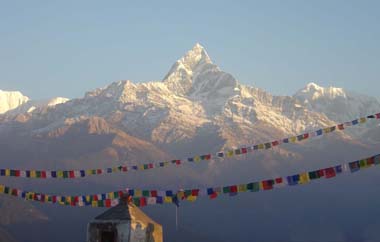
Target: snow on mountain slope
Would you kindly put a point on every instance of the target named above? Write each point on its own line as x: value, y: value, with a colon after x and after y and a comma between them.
x: 11, y: 100
x: 32, y: 105
x: 339, y: 105
x: 196, y: 98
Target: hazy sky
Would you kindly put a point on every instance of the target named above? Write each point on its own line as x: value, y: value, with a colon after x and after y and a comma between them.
x: 67, y: 48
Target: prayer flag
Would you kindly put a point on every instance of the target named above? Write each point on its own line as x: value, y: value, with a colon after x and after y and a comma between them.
x: 267, y: 184
x: 210, y: 191
x: 191, y: 198
x: 275, y: 143
x: 330, y: 172
x: 151, y: 200
x: 213, y: 195
x: 304, y: 178
x: 168, y: 199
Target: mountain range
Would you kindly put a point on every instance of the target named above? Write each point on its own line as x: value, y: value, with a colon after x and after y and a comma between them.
x: 195, y: 108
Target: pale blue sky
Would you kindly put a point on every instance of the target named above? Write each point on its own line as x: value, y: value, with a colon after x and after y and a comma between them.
x: 66, y: 48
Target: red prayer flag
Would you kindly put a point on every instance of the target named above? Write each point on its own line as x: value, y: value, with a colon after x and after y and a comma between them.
x: 330, y: 172
x: 278, y: 180
x: 54, y: 199
x: 305, y: 136
x: 321, y: 173
x: 124, y: 168
x: 340, y: 126
x: 99, y: 171
x: 378, y: 115
x: 243, y: 150
x: 267, y: 185
x: 72, y: 203
x: 76, y: 199
x: 371, y: 161
x: 71, y: 174
x: 142, y: 201
x: 178, y: 162
x: 274, y: 143
x: 206, y: 157
x: 17, y: 173
x: 194, y: 192
x: 213, y: 195
x: 153, y: 193
x: 43, y: 174
x: 150, y: 166
x: 95, y: 198
x: 121, y: 193
x: 233, y: 189
x: 14, y: 192
x: 108, y: 203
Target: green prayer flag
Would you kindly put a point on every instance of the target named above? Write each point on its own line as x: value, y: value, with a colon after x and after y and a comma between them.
x: 145, y: 193
x: 226, y: 189
x: 253, y: 186
x: 65, y: 174
x: 136, y: 201
x: 313, y: 175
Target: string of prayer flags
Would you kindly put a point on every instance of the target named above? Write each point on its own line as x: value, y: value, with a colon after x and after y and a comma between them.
x: 147, y: 197
x: 70, y: 174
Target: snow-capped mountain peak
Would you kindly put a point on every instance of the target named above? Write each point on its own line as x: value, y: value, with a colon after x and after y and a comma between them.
x: 185, y: 70
x: 336, y: 103
x: 10, y: 100
x: 312, y: 91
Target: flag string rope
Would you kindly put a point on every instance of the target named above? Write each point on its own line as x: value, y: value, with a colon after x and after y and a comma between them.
x: 68, y: 174
x: 143, y: 198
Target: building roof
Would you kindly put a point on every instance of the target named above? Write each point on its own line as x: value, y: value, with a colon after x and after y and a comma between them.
x: 119, y: 212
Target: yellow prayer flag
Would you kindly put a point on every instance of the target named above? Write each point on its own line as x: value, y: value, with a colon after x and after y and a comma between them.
x: 47, y: 198
x: 60, y: 174
x: 141, y: 167
x: 293, y: 139
x: 261, y: 186
x: 304, y: 178
x: 362, y: 120
x: 191, y: 198
x: 2, y: 188
x: 33, y: 174
x: 7, y: 172
x: 94, y: 203
x: 138, y: 193
x: 326, y: 130
x: 168, y: 199
x: 261, y: 146
x: 88, y: 198
x: 111, y: 195
x: 197, y: 158
x: 88, y: 172
x: 230, y: 153
x: 242, y: 188
x: 115, y: 169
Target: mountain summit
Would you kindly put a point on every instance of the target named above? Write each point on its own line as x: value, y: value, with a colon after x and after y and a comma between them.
x: 197, y: 76
x: 196, y: 98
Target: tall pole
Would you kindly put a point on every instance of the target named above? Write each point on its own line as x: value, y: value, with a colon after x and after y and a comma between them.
x: 176, y: 218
